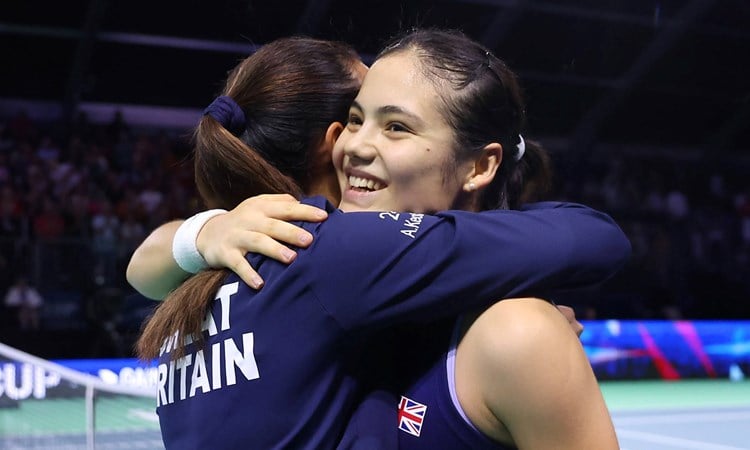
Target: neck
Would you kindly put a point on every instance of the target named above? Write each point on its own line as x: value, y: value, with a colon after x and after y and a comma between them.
x: 466, y: 202
x: 326, y: 186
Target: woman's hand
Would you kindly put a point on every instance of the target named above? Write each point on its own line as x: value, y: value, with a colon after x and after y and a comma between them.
x: 259, y: 225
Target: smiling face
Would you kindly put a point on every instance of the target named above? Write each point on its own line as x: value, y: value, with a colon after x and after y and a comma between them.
x: 396, y: 152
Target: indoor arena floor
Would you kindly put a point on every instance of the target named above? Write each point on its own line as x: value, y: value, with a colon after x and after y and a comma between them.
x: 648, y: 415
x: 680, y: 415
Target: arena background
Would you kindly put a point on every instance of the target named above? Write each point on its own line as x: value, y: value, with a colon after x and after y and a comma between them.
x: 644, y: 105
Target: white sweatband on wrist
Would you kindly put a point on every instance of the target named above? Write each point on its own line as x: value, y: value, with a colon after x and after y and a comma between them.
x: 184, y: 249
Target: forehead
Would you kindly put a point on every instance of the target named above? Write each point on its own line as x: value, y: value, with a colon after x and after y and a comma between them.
x: 399, y: 80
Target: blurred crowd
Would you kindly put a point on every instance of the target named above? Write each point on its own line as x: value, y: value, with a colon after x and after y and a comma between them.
x: 688, y: 220
x: 104, y: 185
x: 77, y: 198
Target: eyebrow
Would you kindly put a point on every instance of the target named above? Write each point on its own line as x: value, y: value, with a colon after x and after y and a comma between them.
x: 393, y: 109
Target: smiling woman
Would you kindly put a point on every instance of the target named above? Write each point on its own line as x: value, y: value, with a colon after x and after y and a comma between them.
x: 403, y: 145
x: 438, y: 124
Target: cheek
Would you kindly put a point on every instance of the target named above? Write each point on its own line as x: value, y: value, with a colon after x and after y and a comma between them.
x: 432, y: 171
x: 437, y: 180
x: 337, y: 155
x: 421, y: 180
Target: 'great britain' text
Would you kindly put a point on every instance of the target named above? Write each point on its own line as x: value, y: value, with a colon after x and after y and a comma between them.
x: 192, y: 374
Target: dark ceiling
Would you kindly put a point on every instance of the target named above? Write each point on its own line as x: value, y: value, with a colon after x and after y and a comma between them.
x: 668, y: 73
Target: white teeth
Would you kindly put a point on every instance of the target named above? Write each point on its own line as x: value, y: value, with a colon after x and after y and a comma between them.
x: 364, y: 183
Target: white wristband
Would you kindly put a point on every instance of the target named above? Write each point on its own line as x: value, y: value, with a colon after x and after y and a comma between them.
x: 184, y: 249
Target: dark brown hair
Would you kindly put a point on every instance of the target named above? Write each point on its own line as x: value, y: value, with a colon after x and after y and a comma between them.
x: 483, y: 103
x: 290, y: 91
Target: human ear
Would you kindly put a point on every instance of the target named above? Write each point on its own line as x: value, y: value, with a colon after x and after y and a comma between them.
x: 332, y: 134
x: 320, y: 156
x: 325, y: 148
x: 485, y: 167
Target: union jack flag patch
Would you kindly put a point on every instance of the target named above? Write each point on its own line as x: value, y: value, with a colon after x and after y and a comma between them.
x: 410, y: 416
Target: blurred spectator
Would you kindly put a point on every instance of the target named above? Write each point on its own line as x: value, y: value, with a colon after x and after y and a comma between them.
x: 78, y: 212
x: 103, y: 312
x: 132, y: 233
x: 11, y: 214
x: 676, y: 205
x: 48, y: 151
x: 655, y: 197
x: 129, y: 204
x: 105, y: 227
x: 151, y: 196
x: 49, y: 223
x: 25, y: 302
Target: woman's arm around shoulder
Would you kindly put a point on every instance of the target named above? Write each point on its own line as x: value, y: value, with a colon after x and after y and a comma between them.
x: 259, y: 224
x: 152, y: 270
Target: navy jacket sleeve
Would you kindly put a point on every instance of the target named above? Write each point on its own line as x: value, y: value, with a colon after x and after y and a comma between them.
x: 372, y: 269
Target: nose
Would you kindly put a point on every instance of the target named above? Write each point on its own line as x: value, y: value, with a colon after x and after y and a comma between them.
x: 360, y: 147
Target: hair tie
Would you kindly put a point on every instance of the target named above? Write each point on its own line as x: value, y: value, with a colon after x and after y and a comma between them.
x: 521, y: 148
x: 228, y: 113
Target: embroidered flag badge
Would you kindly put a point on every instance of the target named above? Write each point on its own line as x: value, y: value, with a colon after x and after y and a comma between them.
x: 410, y: 416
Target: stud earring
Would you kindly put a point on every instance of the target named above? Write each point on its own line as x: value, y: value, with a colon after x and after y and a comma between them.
x: 472, y: 186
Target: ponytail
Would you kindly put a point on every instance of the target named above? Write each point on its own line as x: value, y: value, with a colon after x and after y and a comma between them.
x: 181, y: 313
x: 223, y: 164
x: 531, y: 178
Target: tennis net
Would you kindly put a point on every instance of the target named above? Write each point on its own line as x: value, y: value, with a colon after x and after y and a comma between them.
x: 44, y: 405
